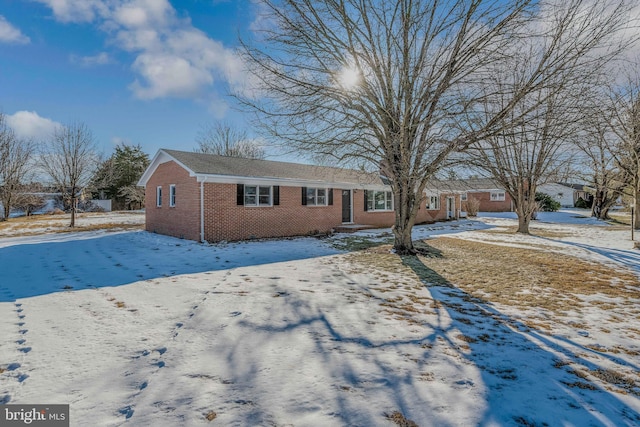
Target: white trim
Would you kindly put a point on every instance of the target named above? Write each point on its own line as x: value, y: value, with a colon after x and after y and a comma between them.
x: 172, y: 195
x: 159, y: 196
x: 202, y: 211
x: 284, y: 182
x: 316, y: 204
x: 257, y: 196
x: 373, y: 209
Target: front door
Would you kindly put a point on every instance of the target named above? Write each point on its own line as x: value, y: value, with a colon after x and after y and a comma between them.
x: 346, y: 206
x: 451, y: 206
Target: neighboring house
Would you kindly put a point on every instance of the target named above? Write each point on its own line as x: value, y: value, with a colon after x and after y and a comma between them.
x: 561, y: 193
x: 580, y: 191
x: 213, y: 198
x: 490, y: 194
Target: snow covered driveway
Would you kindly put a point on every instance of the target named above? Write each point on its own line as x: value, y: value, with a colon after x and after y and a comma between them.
x: 138, y: 329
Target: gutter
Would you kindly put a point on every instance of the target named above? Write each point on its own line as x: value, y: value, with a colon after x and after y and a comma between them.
x: 202, y: 210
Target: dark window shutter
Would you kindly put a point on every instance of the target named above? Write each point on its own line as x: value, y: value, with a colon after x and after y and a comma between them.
x: 330, y: 196
x: 304, y: 196
x: 276, y: 195
x: 366, y: 194
x: 240, y: 198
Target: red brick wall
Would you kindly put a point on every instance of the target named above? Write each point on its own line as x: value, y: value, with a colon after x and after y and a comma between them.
x: 486, y: 205
x: 225, y: 220
x: 183, y: 220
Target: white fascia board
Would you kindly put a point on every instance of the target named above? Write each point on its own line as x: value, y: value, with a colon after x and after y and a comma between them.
x: 160, y: 158
x: 251, y: 180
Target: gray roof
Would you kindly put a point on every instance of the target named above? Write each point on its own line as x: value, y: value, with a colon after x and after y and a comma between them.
x: 465, y: 185
x: 211, y: 164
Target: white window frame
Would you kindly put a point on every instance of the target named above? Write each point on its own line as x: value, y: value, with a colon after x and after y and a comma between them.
x: 313, y: 200
x: 463, y: 197
x: 172, y: 196
x: 159, y: 196
x: 433, y: 203
x: 257, y: 195
x: 372, y: 199
x: 497, y: 196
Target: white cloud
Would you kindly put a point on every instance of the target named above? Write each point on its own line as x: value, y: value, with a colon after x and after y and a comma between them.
x: 88, y: 61
x: 168, y: 75
x: 10, y: 34
x: 28, y: 124
x: 76, y: 10
x: 173, y: 58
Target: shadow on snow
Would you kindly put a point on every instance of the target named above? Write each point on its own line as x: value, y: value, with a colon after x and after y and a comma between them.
x: 118, y: 259
x: 519, y: 376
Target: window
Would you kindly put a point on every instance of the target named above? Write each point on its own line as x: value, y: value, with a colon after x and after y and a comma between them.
x: 159, y: 196
x: 378, y: 200
x: 433, y: 203
x: 257, y: 195
x: 172, y: 195
x: 316, y: 196
x: 497, y: 196
x: 463, y: 197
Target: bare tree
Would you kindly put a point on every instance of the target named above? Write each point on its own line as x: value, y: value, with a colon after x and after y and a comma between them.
x: 15, y: 157
x: 224, y: 140
x: 396, y: 83
x: 69, y: 158
x: 626, y: 126
x: 597, y: 143
x: 533, y: 148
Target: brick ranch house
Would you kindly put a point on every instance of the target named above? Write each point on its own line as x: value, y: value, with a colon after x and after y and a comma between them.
x: 212, y: 198
x: 490, y: 194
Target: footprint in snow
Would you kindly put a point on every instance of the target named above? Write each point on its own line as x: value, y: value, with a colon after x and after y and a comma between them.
x: 127, y: 411
x: 5, y: 399
x: 25, y: 349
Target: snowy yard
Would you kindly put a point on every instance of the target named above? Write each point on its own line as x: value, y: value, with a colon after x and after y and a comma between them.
x: 133, y: 328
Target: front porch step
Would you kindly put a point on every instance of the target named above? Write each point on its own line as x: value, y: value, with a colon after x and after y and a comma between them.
x: 352, y: 228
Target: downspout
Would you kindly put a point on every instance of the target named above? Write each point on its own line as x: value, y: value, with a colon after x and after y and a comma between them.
x: 202, y: 210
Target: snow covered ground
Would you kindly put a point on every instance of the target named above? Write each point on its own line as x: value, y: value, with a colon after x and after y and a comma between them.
x: 133, y: 328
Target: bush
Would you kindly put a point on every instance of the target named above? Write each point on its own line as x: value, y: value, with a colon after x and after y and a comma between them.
x: 547, y: 203
x: 582, y: 203
x: 471, y: 206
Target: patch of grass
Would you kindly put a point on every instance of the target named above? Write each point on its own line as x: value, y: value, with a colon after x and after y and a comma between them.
x: 360, y: 243
x: 525, y: 278
x: 210, y: 416
x: 120, y: 304
x: 400, y: 420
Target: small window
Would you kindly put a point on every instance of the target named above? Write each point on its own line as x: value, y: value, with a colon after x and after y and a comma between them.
x: 256, y: 195
x: 159, y: 196
x: 463, y: 197
x: 316, y: 197
x: 497, y: 196
x: 172, y: 195
x: 379, y: 201
x: 433, y: 203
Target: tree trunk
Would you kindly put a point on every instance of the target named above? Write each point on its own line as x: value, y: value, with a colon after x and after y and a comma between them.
x: 73, y: 212
x: 405, y: 209
x: 636, y: 223
x: 523, y: 223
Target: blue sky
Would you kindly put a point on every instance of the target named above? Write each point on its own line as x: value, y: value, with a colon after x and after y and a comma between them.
x: 148, y: 72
